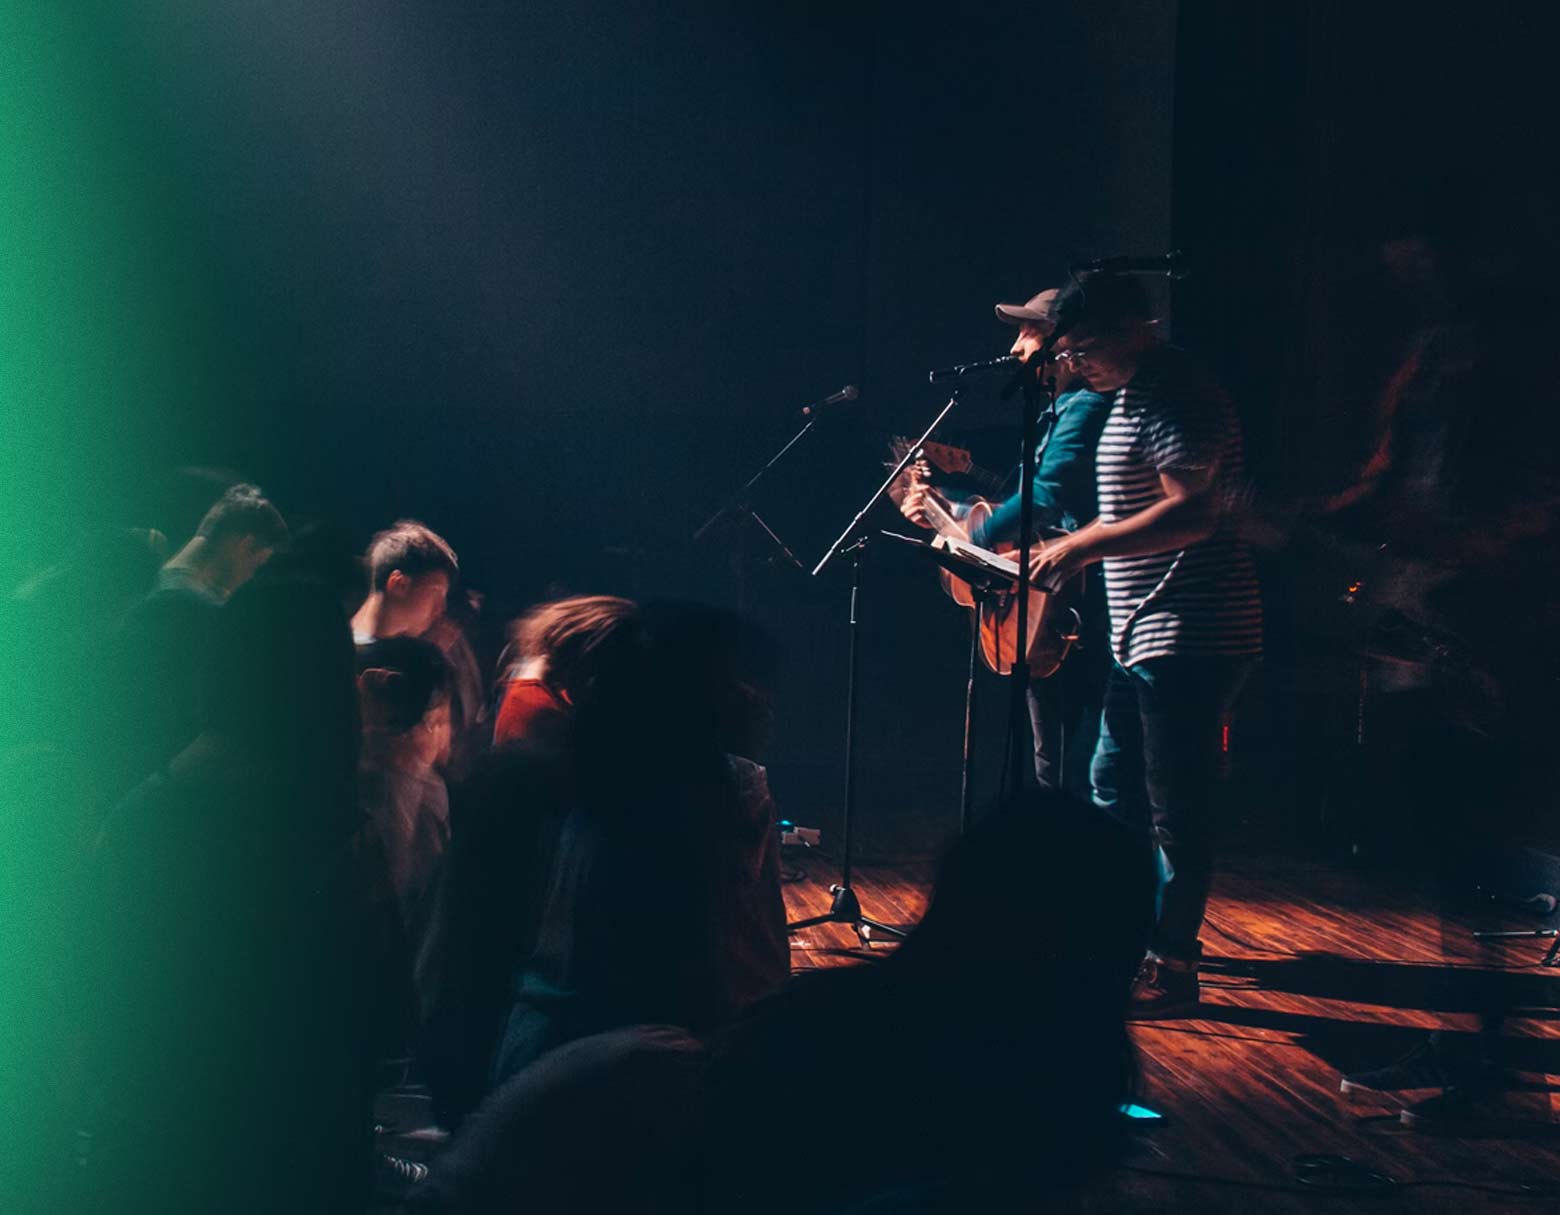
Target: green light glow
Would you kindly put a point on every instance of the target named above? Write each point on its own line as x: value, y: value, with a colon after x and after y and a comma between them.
x: 95, y: 308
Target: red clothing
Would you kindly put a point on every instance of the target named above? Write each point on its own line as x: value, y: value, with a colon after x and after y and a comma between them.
x: 530, y: 709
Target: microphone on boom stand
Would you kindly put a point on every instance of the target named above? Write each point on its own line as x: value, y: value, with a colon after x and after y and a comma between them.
x: 848, y: 393
x: 944, y: 374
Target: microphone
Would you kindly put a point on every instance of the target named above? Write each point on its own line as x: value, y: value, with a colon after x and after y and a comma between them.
x: 963, y: 369
x: 1171, y: 265
x: 848, y: 393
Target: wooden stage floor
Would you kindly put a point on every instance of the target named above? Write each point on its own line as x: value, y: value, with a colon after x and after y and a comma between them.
x: 1311, y: 970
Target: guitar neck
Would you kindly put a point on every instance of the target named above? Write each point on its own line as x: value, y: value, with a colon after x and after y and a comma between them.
x: 954, y: 461
x: 992, y: 482
x: 943, y: 523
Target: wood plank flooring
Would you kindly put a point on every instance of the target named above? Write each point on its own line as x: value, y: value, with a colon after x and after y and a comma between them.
x: 1311, y: 970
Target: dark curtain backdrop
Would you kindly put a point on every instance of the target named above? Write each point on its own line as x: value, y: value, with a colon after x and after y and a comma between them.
x: 556, y: 277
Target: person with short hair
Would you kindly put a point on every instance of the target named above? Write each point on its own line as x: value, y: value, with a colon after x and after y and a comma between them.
x: 160, y: 646
x: 410, y: 572
x: 234, y: 539
x: 1185, y: 609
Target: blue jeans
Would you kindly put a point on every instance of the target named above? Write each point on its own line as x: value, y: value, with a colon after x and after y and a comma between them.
x: 1156, y: 767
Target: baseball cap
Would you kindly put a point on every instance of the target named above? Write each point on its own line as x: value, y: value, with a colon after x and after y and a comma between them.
x: 1037, y: 310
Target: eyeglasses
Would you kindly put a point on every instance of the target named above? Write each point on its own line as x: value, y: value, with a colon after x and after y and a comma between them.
x: 1075, y: 357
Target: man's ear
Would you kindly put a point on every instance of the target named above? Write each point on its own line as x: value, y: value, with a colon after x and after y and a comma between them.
x: 397, y: 584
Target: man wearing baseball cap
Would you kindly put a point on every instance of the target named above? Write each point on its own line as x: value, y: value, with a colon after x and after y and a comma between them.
x: 1064, y: 709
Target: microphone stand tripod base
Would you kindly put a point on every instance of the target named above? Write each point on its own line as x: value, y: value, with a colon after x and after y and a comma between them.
x: 846, y: 909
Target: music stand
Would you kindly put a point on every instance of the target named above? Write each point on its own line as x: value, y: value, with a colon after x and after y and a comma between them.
x: 985, y: 583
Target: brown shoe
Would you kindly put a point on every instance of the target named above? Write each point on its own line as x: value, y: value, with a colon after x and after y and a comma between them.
x: 1162, y: 989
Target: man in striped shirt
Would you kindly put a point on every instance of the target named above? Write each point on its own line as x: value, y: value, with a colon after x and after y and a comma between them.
x: 1185, y: 612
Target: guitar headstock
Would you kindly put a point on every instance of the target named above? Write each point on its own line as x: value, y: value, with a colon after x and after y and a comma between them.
x: 937, y: 456
x: 947, y: 459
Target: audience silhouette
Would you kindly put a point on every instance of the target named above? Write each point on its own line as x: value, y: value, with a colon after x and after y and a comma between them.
x: 579, y: 939
x: 228, y: 968
x: 975, y: 1068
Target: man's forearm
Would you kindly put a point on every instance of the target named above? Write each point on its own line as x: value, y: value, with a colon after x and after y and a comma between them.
x: 1003, y: 524
x: 1169, y: 524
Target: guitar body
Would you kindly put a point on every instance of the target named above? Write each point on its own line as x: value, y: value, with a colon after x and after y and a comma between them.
x: 1053, y: 616
x: 1053, y: 629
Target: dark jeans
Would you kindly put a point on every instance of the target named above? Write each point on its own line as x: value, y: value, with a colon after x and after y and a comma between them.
x: 1064, y: 710
x: 1064, y: 718
x: 1156, y: 767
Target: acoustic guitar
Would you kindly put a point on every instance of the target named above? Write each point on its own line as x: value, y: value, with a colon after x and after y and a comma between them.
x: 1053, y: 615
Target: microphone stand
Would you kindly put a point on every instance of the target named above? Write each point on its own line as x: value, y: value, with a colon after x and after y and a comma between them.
x: 1039, y: 386
x: 840, y: 547
x: 846, y: 907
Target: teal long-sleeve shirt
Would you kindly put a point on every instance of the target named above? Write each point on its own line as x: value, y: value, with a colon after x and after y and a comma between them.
x: 1064, y: 473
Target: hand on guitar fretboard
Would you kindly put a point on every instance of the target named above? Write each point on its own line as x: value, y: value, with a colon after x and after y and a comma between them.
x: 916, y: 495
x: 925, y: 507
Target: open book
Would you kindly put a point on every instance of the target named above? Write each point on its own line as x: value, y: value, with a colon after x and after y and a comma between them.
x: 976, y: 565
x: 1004, y: 567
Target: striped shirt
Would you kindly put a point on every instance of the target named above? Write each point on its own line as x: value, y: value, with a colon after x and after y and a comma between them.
x: 1201, y: 599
